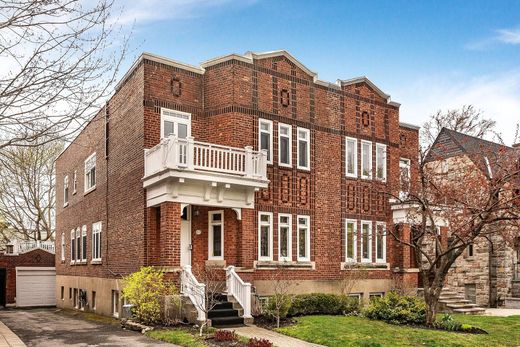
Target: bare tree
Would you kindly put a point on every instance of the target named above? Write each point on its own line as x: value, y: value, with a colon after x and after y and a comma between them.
x: 352, y: 275
x: 279, y: 303
x: 58, y: 62
x: 27, y: 191
x: 470, y: 202
x: 467, y: 120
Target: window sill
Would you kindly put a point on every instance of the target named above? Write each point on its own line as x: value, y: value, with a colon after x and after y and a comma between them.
x: 285, y: 166
x: 351, y: 176
x: 65, y: 204
x: 306, y: 169
x: 96, y: 262
x: 90, y: 190
x: 216, y: 262
x: 292, y: 265
x: 365, y: 266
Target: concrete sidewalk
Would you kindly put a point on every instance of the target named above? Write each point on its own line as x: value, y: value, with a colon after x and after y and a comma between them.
x: 8, y: 338
x: 502, y: 312
x: 277, y: 339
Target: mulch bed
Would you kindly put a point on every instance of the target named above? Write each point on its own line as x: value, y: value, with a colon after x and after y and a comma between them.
x: 269, y: 323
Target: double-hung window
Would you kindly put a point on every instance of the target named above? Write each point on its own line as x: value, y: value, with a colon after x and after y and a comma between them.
x: 78, y: 245
x: 381, y: 162
x: 175, y: 123
x: 74, y: 182
x: 65, y: 191
x: 90, y: 173
x: 265, y: 236
x: 284, y: 237
x: 73, y: 246
x: 96, y: 241
x: 381, y: 242
x: 304, y: 238
x: 284, y: 144
x: 304, y: 149
x: 351, y: 157
x: 84, y: 244
x: 366, y: 159
x: 216, y: 235
x: 366, y: 241
x: 350, y: 241
x: 404, y: 178
x: 62, y: 246
x: 265, y: 138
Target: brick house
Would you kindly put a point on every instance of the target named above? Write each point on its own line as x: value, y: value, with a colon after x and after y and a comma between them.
x: 487, y: 272
x: 247, y: 162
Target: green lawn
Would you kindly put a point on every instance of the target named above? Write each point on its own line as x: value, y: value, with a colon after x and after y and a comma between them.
x: 178, y: 336
x: 356, y: 331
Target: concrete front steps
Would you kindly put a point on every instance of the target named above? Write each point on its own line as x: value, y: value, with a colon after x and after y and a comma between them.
x: 453, y: 302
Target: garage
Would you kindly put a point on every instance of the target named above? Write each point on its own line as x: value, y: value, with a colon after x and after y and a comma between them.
x: 35, y: 286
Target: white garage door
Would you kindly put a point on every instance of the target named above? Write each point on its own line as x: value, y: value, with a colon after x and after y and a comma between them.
x: 35, y: 286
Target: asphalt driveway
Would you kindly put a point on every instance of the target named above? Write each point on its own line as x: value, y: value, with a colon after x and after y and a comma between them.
x: 52, y: 327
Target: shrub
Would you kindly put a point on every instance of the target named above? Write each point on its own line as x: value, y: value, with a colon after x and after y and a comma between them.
x: 254, y: 342
x: 144, y: 289
x: 278, y: 306
x: 319, y: 303
x: 225, y: 335
x: 448, y: 323
x: 397, y: 309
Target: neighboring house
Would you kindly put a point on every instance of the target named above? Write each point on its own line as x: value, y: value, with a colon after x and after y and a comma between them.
x: 27, y: 274
x: 487, y: 272
x: 246, y: 161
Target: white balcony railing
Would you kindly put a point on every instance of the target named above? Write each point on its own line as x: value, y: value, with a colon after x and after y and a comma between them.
x: 20, y: 247
x: 240, y: 290
x: 195, y: 291
x: 187, y: 154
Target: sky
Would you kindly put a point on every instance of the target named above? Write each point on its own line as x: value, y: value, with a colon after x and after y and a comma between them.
x: 428, y: 55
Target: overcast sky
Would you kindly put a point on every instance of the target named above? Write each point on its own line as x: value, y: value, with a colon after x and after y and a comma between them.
x: 426, y: 55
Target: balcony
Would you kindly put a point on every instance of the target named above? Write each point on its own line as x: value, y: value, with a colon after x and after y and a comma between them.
x: 21, y: 247
x: 193, y: 172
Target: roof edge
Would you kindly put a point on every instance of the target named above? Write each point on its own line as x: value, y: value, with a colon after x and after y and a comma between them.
x: 409, y: 126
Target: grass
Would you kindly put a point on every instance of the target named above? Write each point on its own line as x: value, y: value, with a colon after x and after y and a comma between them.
x: 179, y: 336
x: 356, y: 331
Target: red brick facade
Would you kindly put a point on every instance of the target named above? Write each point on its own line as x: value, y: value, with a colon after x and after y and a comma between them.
x: 226, y: 99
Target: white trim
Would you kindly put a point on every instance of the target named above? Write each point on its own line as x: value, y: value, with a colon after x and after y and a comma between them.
x: 289, y: 236
x: 307, y: 228
x: 73, y: 246
x: 369, y: 259
x: 354, y: 241
x: 75, y: 182
x: 211, y: 223
x: 270, y: 132
x: 289, y: 136
x: 347, y: 140
x: 383, y: 259
x: 66, y: 191
x: 378, y: 146
x: 176, y: 117
x: 270, y: 241
x: 89, y: 189
x: 369, y: 176
x: 84, y: 245
x: 263, y: 55
x: 97, y: 228
x: 308, y: 145
x: 62, y: 246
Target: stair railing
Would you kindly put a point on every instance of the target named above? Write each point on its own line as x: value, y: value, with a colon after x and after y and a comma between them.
x: 195, y: 291
x: 239, y: 289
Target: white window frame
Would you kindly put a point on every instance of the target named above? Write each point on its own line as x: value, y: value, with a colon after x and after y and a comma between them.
x: 289, y: 137
x: 62, y: 246
x: 212, y: 223
x: 90, y: 163
x: 270, y: 245
x: 378, y: 159
x: 78, y: 245
x: 354, y: 240
x: 75, y: 182
x: 383, y: 259
x: 66, y: 191
x: 369, y: 176
x: 115, y: 303
x: 307, y: 228
x: 403, y: 194
x: 270, y: 133
x: 97, y: 229
x: 369, y: 259
x: 176, y: 117
x: 84, y: 245
x: 307, y: 144
x: 289, y: 234
x: 73, y: 246
x: 355, y: 141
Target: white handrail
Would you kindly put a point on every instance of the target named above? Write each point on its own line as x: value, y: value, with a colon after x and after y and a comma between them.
x: 240, y: 290
x: 185, y: 153
x: 20, y: 247
x: 195, y: 291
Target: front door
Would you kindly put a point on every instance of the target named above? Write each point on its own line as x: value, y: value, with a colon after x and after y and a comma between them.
x: 186, y: 236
